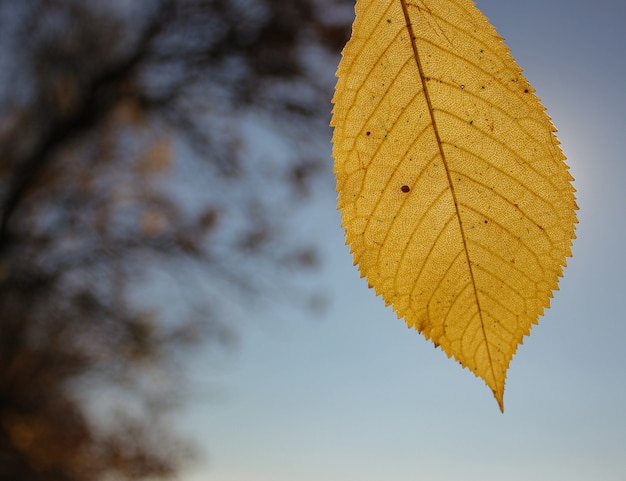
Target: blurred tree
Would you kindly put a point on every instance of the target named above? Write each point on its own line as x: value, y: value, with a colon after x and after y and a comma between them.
x: 132, y: 144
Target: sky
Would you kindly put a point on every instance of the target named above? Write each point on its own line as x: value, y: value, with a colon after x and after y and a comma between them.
x: 352, y: 394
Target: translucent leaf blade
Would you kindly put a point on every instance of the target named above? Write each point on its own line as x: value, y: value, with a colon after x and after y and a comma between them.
x: 456, y: 200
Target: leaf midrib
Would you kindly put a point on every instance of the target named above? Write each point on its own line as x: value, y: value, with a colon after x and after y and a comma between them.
x: 420, y: 69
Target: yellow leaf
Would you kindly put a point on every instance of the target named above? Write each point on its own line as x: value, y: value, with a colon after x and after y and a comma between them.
x: 455, y: 196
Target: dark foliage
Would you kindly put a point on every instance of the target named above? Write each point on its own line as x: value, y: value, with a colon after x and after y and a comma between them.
x: 124, y: 154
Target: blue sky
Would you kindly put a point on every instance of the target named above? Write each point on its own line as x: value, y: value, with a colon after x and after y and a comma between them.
x: 355, y: 395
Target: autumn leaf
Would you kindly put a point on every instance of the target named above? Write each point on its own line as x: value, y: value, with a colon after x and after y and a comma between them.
x: 455, y: 197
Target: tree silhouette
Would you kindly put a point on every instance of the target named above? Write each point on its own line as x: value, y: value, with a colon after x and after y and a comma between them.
x: 126, y: 152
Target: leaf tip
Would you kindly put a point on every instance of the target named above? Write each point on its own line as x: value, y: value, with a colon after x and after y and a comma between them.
x: 499, y: 398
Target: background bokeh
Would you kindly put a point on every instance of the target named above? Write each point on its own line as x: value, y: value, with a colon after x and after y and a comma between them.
x: 176, y: 298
